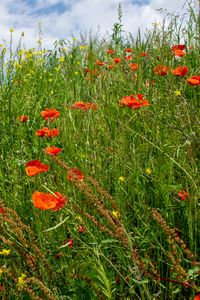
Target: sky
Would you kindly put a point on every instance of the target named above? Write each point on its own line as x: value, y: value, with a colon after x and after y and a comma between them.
x: 60, y: 19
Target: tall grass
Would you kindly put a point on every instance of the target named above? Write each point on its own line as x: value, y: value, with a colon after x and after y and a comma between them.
x: 129, y: 228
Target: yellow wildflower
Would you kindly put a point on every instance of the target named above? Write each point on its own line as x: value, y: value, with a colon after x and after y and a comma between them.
x: 11, y: 29
x: 76, y: 73
x: 115, y: 214
x: 21, y: 279
x: 5, y: 252
x: 121, y: 178
x: 177, y: 93
x: 61, y: 59
x: 148, y: 171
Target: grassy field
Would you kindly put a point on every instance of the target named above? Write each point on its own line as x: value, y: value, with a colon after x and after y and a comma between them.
x: 99, y: 166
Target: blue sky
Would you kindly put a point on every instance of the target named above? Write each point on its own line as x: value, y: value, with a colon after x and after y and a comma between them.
x: 67, y: 18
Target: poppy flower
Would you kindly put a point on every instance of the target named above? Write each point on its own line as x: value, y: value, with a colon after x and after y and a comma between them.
x: 84, y: 105
x: 128, y: 50
x: 49, y: 114
x: 133, y: 102
x: 160, y: 70
x: 180, y: 71
x: 178, y: 47
x: 110, y: 67
x: 46, y: 201
x: 179, y: 52
x: 2, y: 210
x: 133, y: 66
x: 117, y: 60
x: 183, y: 195
x: 128, y: 57
x: 143, y: 54
x: 52, y: 150
x: 99, y: 63
x: 194, y: 80
x: 75, y: 174
x: 45, y: 131
x: 81, y: 229
x: 197, y: 297
x: 35, y: 167
x: 110, y: 51
x: 69, y: 243
x: 22, y: 119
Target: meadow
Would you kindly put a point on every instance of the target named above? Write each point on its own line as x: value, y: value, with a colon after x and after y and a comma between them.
x: 99, y: 165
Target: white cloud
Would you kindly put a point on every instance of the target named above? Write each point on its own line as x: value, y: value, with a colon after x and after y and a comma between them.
x: 80, y: 16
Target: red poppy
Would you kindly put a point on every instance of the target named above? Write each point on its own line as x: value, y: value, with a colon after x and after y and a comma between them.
x: 134, y: 103
x: 110, y: 67
x: 117, y: 60
x: 99, y: 63
x: 81, y: 229
x: 133, y: 66
x: 183, y: 195
x: 84, y: 105
x: 2, y: 210
x: 128, y: 50
x: 194, y: 80
x: 180, y: 71
x: 197, y: 297
x: 49, y: 114
x: 178, y: 47
x: 52, y: 133
x: 128, y: 57
x: 45, y: 131
x: 160, y: 70
x: 143, y: 54
x: 52, y: 150
x: 179, y: 53
x: 75, y: 174
x: 22, y: 119
x: 35, y: 167
x: 110, y: 51
x: 46, y: 201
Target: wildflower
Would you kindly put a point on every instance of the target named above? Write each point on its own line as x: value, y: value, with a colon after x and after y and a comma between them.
x: 75, y: 174
x: 143, y: 54
x: 22, y: 118
x: 81, y: 229
x: 183, y: 195
x: 11, y: 30
x: 84, y: 105
x: 178, y: 47
x: 46, y: 201
x: 121, y: 178
x: 177, y: 93
x: 52, y: 150
x: 99, y: 63
x: 117, y: 60
x: 148, y: 171
x: 128, y: 57
x: 160, y: 70
x: 45, y: 131
x: 49, y: 114
x: 21, y: 281
x: 179, y: 53
x: 194, y: 80
x: 133, y: 66
x: 2, y: 210
x: 128, y: 50
x: 110, y: 67
x: 116, y: 214
x: 5, y: 252
x: 35, y: 167
x: 197, y: 297
x: 180, y: 71
x: 134, y: 103
x: 110, y: 51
